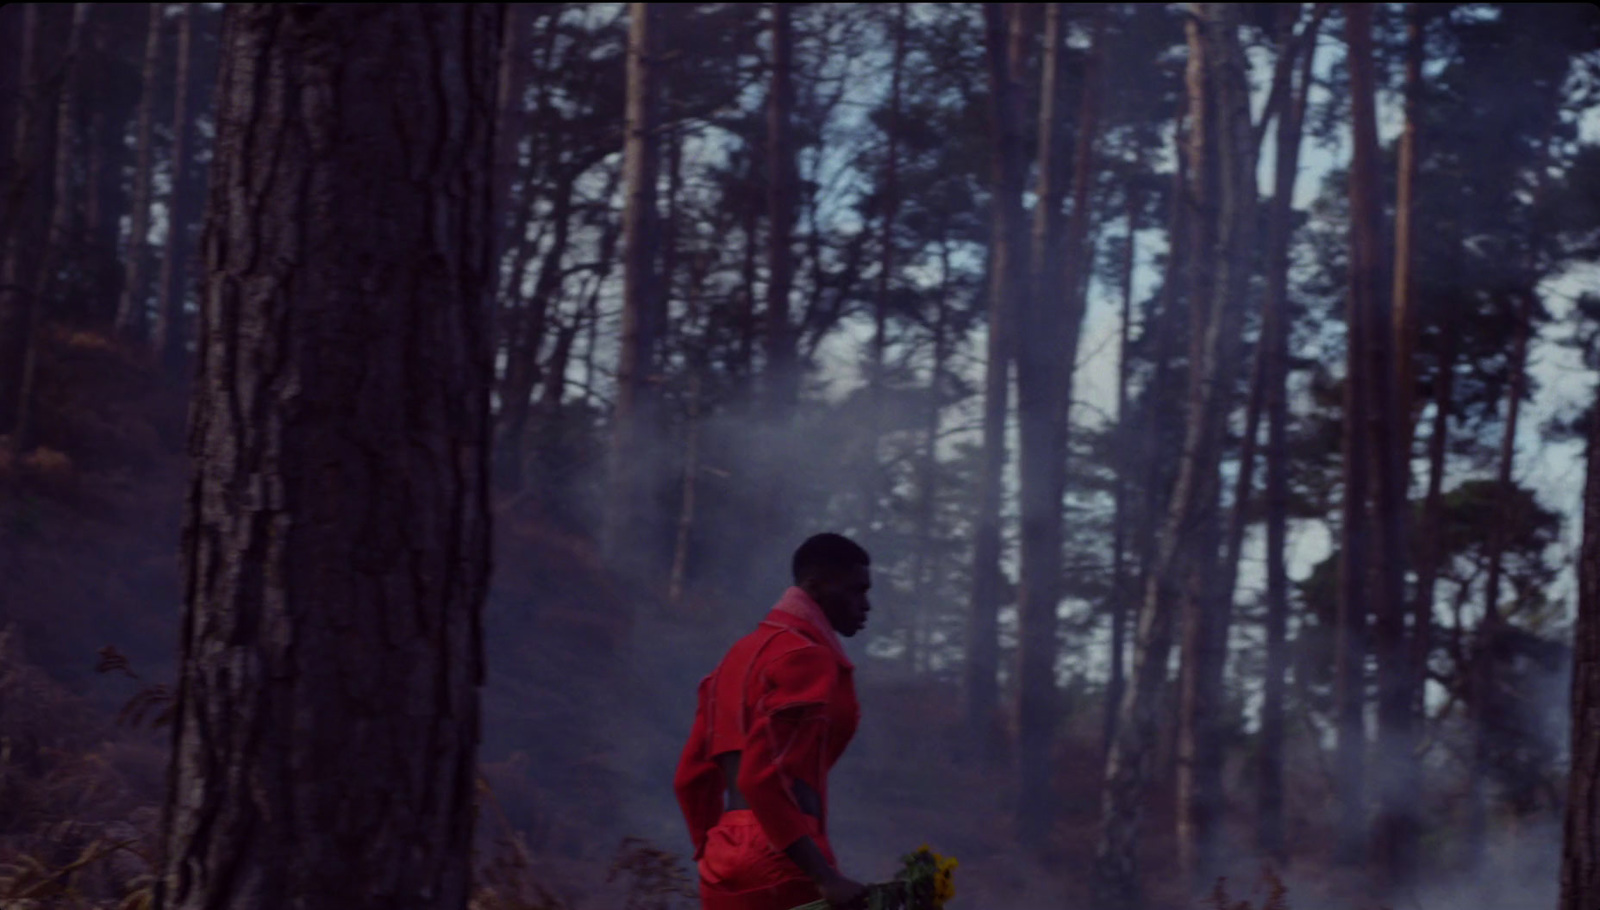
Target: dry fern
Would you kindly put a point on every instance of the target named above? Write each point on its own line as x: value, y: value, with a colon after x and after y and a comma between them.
x: 657, y: 880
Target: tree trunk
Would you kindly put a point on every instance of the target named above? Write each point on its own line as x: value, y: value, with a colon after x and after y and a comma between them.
x: 131, y: 305
x: 927, y: 468
x: 336, y: 539
x: 60, y: 230
x: 1160, y: 410
x: 1580, y: 853
x: 1430, y: 549
x: 1057, y: 362
x: 1007, y: 274
x: 167, y: 342
x: 1275, y: 333
x: 631, y: 533
x: 108, y: 158
x: 744, y: 363
x: 873, y: 478
x: 554, y: 388
x: 1116, y: 681
x: 1040, y: 457
x: 508, y: 129
x: 1215, y: 65
x: 1398, y: 773
x: 1244, y: 480
x: 1280, y: 105
x: 691, y: 452
x: 783, y: 380
x: 686, y: 508
x: 1405, y: 315
x: 671, y: 226
x: 525, y: 336
x: 1351, y: 641
x: 1206, y: 614
x: 15, y: 309
x: 1485, y: 729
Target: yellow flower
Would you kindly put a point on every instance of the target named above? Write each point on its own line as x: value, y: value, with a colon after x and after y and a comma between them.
x: 940, y: 868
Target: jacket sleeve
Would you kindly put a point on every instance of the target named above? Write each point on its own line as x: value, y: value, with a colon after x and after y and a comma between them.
x: 698, y: 782
x: 785, y: 739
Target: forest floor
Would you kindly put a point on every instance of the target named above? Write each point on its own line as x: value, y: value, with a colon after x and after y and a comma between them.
x: 584, y: 712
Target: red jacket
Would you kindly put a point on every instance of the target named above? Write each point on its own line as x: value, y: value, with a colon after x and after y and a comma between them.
x: 784, y: 696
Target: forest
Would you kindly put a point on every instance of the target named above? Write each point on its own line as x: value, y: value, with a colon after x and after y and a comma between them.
x: 404, y: 406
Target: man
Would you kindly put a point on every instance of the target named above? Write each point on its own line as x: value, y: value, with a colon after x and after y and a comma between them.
x: 772, y: 719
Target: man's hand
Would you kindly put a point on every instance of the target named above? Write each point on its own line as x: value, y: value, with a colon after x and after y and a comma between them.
x: 838, y: 890
x: 842, y: 892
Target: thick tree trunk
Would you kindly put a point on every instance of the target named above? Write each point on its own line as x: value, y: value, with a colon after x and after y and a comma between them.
x: 15, y: 309
x: 1040, y: 457
x: 1351, y: 644
x: 1580, y: 853
x: 1058, y: 362
x: 1206, y: 614
x: 336, y: 539
x: 132, y: 318
x: 631, y: 529
x: 1397, y: 772
x: 1275, y: 340
x: 1007, y: 275
x: 60, y: 230
x: 167, y: 342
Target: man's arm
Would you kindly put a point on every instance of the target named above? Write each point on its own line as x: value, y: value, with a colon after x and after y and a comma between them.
x: 783, y: 745
x: 837, y: 889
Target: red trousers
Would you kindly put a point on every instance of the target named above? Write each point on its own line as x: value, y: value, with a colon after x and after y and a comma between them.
x: 740, y: 869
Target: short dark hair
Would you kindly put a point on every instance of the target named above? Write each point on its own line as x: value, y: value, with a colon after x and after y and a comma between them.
x: 827, y: 551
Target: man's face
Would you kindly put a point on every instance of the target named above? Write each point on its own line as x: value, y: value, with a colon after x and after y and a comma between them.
x: 842, y: 595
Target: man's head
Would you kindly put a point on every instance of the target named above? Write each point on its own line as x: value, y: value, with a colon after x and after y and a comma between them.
x: 835, y: 571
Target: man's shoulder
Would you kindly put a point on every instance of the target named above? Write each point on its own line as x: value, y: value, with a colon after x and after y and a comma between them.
x: 772, y: 641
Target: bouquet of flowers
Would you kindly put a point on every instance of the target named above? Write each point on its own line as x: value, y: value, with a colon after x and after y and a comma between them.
x: 926, y: 881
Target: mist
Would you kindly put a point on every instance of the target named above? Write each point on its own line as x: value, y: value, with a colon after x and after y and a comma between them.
x: 1211, y: 385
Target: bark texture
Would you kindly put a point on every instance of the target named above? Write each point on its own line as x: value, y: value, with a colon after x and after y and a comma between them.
x: 1580, y: 851
x: 336, y: 536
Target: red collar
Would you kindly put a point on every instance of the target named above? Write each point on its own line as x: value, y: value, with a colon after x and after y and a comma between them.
x: 796, y: 610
